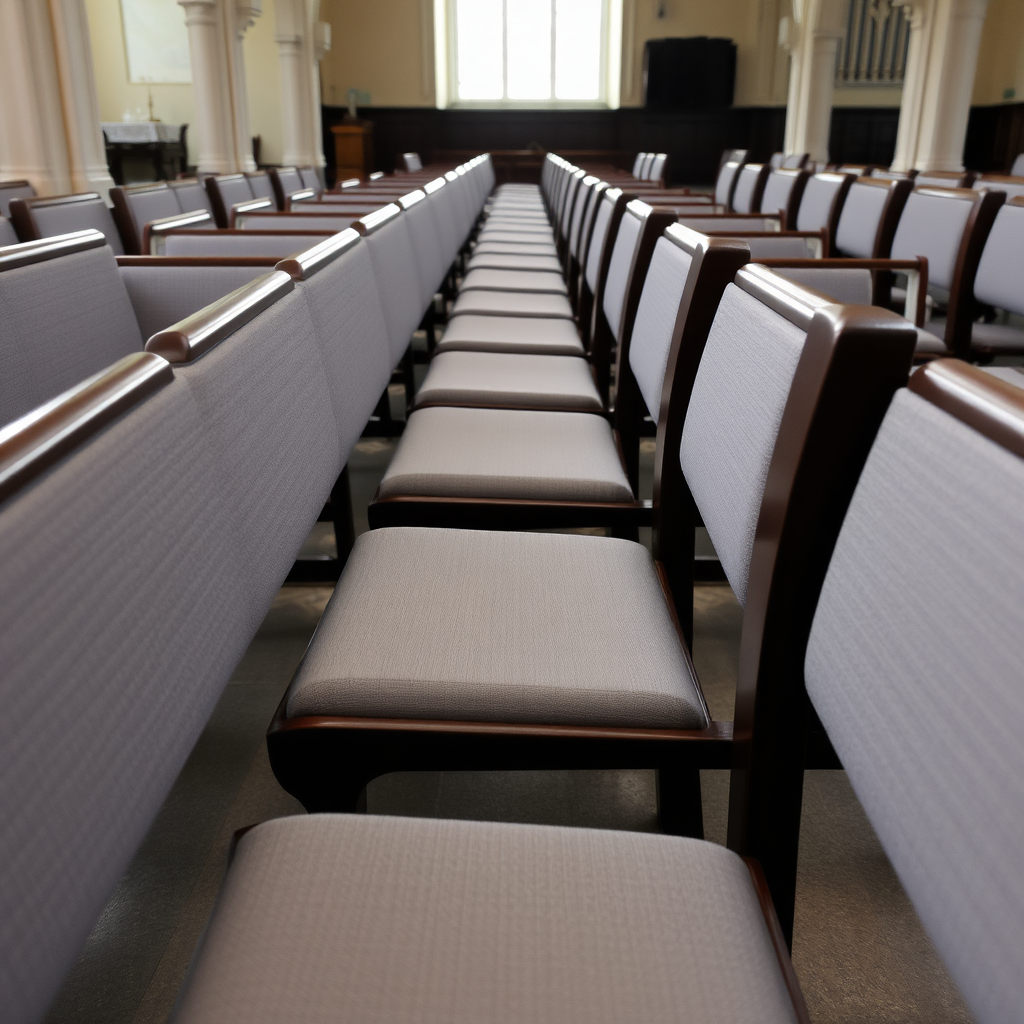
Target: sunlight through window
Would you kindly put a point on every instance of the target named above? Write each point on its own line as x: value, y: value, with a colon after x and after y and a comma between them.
x: 480, y: 41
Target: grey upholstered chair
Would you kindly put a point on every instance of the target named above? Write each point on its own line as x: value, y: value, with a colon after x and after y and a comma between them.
x: 225, y: 191
x: 782, y: 193
x: 658, y: 165
x: 1012, y: 186
x: 412, y: 162
x: 13, y: 190
x: 638, y: 164
x: 261, y: 185
x: 8, y: 236
x: 749, y: 188
x: 285, y: 181
x: 192, y: 195
x: 61, y: 215
x: 137, y: 205
x: 726, y: 182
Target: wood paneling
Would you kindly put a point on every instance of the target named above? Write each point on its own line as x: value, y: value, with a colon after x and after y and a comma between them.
x: 995, y: 135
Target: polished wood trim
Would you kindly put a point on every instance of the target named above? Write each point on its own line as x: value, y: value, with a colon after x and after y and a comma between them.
x: 771, y: 920
x: 23, y: 254
x: 190, y: 338
x: 165, y: 225
x: 23, y: 216
x: 303, y: 195
x: 262, y: 205
x: 37, y: 440
x: 372, y: 222
x: 988, y: 404
x: 410, y: 199
x: 304, y: 265
x: 795, y: 302
x: 432, y: 186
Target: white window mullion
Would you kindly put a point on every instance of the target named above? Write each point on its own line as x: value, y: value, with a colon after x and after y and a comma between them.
x: 504, y: 49
x: 551, y: 43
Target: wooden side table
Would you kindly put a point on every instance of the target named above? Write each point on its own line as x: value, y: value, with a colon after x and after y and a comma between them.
x: 353, y: 149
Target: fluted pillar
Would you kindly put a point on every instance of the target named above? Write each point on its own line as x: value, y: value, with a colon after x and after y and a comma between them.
x: 945, y: 37
x: 302, y: 41
x: 243, y: 17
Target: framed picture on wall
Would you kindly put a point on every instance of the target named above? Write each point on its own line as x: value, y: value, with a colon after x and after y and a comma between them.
x: 156, y: 41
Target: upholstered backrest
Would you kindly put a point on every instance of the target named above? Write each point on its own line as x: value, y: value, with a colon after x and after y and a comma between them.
x: 568, y: 203
x: 645, y: 167
x: 858, y: 223
x: 142, y: 205
x: 247, y: 243
x: 746, y: 186
x: 602, y: 221
x: 793, y: 161
x: 777, y: 191
x: 351, y: 332
x: 13, y: 190
x: 850, y: 285
x: 443, y: 205
x: 780, y: 246
x: 225, y: 190
x: 655, y: 319
x: 932, y: 225
x: 431, y: 260
x: 914, y: 667
x: 7, y: 233
x: 701, y: 221
x: 1000, y: 277
x: 64, y: 317
x: 723, y: 184
x: 124, y: 611
x: 1018, y: 166
x: 310, y: 177
x: 286, y: 180
x: 941, y: 179
x: 265, y: 220
x: 161, y: 296
x: 260, y: 184
x: 623, y: 251
x: 816, y: 206
x: 658, y: 166
x: 1000, y: 183
x: 394, y: 269
x: 412, y: 161
x: 60, y: 215
x: 638, y: 164
x: 733, y: 419
x: 191, y: 195
x: 582, y: 201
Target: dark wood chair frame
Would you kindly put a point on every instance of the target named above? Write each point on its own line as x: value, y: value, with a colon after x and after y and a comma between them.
x: 221, y: 212
x: 755, y: 197
x: 19, y: 184
x: 787, y: 215
x: 23, y: 216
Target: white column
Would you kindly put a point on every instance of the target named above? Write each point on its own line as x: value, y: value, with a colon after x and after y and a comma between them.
x: 241, y: 18
x: 944, y: 43
x: 302, y: 40
x: 813, y: 39
x: 211, y: 83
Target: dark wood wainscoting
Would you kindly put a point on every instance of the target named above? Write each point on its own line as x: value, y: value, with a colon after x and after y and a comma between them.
x: 995, y: 136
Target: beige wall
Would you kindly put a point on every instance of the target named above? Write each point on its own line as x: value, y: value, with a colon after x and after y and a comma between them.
x: 384, y: 48
x: 1001, y: 61
x: 176, y: 103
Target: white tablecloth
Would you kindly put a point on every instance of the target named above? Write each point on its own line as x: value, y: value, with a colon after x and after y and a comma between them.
x: 141, y: 131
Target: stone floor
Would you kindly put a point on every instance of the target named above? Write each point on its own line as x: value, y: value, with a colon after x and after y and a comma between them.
x: 859, y: 950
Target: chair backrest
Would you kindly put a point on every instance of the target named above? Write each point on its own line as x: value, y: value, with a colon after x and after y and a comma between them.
x: 645, y: 167
x: 192, y: 195
x: 749, y: 188
x: 783, y: 191
x: 284, y: 181
x: 658, y: 167
x: 822, y: 202
x: 741, y: 393
x: 261, y: 185
x: 8, y: 236
x: 777, y: 159
x: 13, y: 190
x: 137, y: 205
x: 1000, y: 183
x: 638, y: 164
x: 579, y: 214
x: 310, y: 177
x: 999, y: 280
x: 606, y: 224
x: 883, y: 172
x: 62, y: 215
x: 1017, y: 167
x: 569, y: 204
x: 443, y: 208
x: 225, y: 190
x: 913, y: 665
x: 412, y: 162
x: 431, y: 259
x: 277, y: 244
x: 849, y: 285
x: 943, y: 179
x: 726, y: 182
x: 795, y: 161
x: 66, y: 315
x: 393, y: 256
x: 870, y: 214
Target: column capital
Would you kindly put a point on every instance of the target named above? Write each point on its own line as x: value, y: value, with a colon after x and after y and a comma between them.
x: 246, y: 13
x: 199, y: 12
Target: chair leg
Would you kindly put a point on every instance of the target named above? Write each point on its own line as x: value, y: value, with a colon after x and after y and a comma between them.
x: 680, y: 810
x: 408, y: 378
x: 341, y: 510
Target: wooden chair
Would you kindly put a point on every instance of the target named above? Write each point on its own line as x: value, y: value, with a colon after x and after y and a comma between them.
x: 14, y: 190
x: 8, y: 236
x: 61, y: 215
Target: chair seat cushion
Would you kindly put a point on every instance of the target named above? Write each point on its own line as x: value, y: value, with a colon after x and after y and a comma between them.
x: 497, y: 378
x: 929, y: 344
x: 512, y: 261
x: 507, y: 453
x: 488, y: 278
x: 508, y: 627
x: 517, y: 236
x: 518, y: 214
x: 511, y: 334
x: 519, y: 304
x: 401, y: 920
x: 515, y: 249
x: 997, y: 338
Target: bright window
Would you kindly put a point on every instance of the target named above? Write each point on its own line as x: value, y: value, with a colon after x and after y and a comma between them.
x: 528, y: 52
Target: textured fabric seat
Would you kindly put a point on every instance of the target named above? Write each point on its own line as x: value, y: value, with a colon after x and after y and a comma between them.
x: 513, y: 304
x: 577, y: 631
x: 403, y: 919
x: 517, y: 236
x: 556, y: 337
x: 498, y: 378
x: 486, y: 278
x: 8, y: 235
x: 497, y: 261
x: 515, y: 249
x: 504, y: 453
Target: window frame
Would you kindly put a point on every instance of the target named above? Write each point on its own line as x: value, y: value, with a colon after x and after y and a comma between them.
x: 452, y: 61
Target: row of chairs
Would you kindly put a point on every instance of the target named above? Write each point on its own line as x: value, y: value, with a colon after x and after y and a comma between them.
x: 784, y: 421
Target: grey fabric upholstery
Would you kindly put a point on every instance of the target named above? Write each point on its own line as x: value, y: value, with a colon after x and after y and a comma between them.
x: 234, y: 190
x: 7, y: 232
x: 732, y: 421
x: 1018, y: 166
x: 151, y: 205
x: 602, y: 220
x: 929, y: 342
x: 998, y: 336
x: 352, y: 335
x: 328, y: 222
x: 161, y: 296
x: 707, y: 222
x: 504, y: 453
x: 816, y: 203
x: 259, y: 183
x: 626, y: 240
x: 517, y: 236
x: 638, y: 164
x: 490, y: 279
x: 723, y: 184
x: 290, y: 180
x: 511, y: 334
x: 1011, y: 188
x: 265, y: 405
x: 914, y: 666
x: 932, y: 226
x: 503, y: 379
x: 394, y: 269
x: 67, y: 217
x: 114, y: 655
x: 509, y: 304
x: 843, y: 285
x: 561, y: 648
x: 431, y: 259
x: 191, y: 196
x: 776, y: 192
x: 779, y: 246
x: 656, y: 319
x: 403, y: 919
x: 1000, y: 277
x: 858, y: 223
x: 1011, y: 374
x: 658, y: 166
x: 216, y: 243
x: 743, y: 197
x: 9, y: 192
x: 310, y: 177
x: 62, y: 321
x: 497, y: 261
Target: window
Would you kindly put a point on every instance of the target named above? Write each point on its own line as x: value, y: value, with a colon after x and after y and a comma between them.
x: 874, y: 50
x: 528, y: 52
